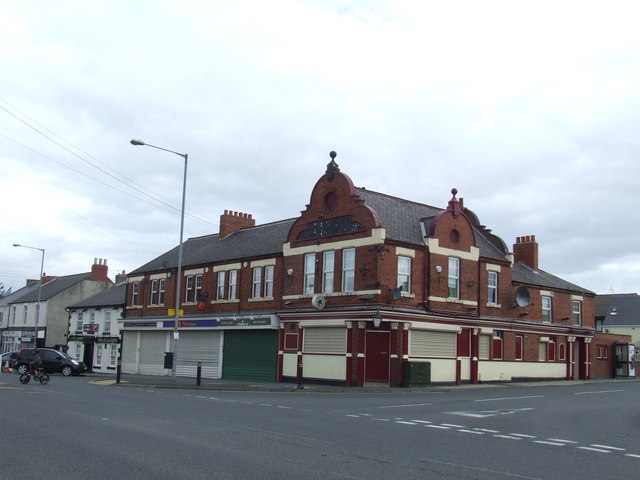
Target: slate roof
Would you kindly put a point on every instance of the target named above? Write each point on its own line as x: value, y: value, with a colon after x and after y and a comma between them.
x: 51, y: 288
x: 14, y: 296
x: 619, y: 309
x: 261, y: 240
x: 111, y: 297
x: 522, y: 273
x: 401, y: 218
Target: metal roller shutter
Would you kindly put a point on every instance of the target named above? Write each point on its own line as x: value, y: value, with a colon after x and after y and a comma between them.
x: 153, y: 345
x: 130, y: 352
x: 194, y: 347
x: 425, y: 343
x: 250, y: 355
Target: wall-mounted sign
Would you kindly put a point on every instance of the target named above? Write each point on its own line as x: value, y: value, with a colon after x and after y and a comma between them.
x: 329, y: 227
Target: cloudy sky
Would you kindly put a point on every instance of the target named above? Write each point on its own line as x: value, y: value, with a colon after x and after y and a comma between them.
x: 529, y: 109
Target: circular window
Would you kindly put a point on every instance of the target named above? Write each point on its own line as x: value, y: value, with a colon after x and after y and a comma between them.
x: 331, y: 200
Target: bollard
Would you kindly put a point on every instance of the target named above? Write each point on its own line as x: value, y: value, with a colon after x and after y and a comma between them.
x: 118, y: 371
x: 199, y: 374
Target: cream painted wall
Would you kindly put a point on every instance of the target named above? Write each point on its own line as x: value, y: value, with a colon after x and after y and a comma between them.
x: 505, y: 371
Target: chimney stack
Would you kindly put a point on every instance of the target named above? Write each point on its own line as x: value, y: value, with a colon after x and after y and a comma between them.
x: 526, y: 251
x: 99, y: 270
x: 121, y: 277
x: 231, y: 222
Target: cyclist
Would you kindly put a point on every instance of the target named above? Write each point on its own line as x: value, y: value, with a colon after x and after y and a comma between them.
x: 36, y: 363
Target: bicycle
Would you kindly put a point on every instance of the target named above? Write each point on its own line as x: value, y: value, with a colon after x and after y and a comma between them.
x: 42, y: 377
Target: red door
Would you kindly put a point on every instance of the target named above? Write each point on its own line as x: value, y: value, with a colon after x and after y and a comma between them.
x: 376, y: 366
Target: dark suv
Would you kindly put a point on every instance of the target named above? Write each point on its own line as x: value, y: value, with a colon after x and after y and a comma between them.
x: 53, y: 361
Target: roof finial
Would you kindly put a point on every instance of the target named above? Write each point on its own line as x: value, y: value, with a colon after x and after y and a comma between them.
x: 332, y: 166
x: 454, y: 203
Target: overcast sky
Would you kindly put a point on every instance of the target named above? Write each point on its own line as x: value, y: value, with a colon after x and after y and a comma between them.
x: 529, y: 109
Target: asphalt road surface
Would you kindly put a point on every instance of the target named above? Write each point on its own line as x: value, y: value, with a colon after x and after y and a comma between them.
x: 76, y: 429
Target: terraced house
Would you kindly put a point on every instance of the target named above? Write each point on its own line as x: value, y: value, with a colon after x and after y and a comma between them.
x: 361, y: 288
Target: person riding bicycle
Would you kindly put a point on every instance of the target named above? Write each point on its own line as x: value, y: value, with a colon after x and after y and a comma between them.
x: 36, y: 363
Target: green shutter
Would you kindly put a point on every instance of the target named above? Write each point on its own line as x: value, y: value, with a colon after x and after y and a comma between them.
x: 250, y: 355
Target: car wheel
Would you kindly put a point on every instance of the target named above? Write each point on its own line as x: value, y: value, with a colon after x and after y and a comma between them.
x: 66, y: 371
x: 22, y: 369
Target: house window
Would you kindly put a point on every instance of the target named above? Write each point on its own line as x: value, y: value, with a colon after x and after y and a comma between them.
x: 198, y: 289
x: 348, y: 269
x: 220, y: 291
x: 13, y: 315
x: 135, y: 292
x: 78, y: 350
x: 257, y: 282
x: 519, y: 347
x: 492, y: 286
x: 161, y: 291
x: 546, y: 309
x: 188, y: 289
x: 454, y: 277
x: 113, y: 355
x: 602, y: 352
x: 268, y: 281
x: 25, y: 311
x: 92, y: 318
x: 404, y: 274
x: 233, y: 281
x: 98, y: 356
x: 328, y: 260
x: 497, y: 345
x: 154, y: 292
x: 79, y: 322
x: 309, y: 272
x: 107, y: 322
x: 576, y: 310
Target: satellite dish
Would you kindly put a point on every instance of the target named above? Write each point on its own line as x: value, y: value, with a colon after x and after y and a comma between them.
x: 523, y: 298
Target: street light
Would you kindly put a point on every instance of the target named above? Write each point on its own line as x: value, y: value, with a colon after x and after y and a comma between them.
x: 179, y: 279
x: 35, y: 338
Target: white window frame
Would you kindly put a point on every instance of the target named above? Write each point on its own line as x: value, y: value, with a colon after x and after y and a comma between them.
x: 328, y: 265
x: 404, y: 274
x: 79, y: 322
x: 256, y: 282
x: 576, y: 312
x: 221, y: 285
x: 268, y: 281
x: 98, y: 355
x: 492, y: 287
x: 154, y: 292
x: 107, y: 321
x: 135, y: 293
x: 113, y: 355
x: 453, y: 278
x: 25, y: 313
x: 233, y: 284
x: 161, y: 284
x: 309, y: 273
x: 197, y: 293
x: 348, y: 269
x: 547, y: 309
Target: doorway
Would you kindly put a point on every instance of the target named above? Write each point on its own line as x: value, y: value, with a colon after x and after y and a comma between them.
x: 376, y: 360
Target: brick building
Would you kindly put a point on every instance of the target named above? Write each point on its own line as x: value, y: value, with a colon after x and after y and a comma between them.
x: 360, y: 288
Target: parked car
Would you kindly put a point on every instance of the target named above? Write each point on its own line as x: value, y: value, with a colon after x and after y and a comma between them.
x: 53, y: 361
x: 9, y: 356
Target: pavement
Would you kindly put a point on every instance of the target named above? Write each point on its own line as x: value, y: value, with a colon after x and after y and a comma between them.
x: 168, y: 382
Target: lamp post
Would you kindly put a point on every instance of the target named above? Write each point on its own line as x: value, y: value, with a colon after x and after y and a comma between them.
x: 179, y: 279
x: 35, y: 338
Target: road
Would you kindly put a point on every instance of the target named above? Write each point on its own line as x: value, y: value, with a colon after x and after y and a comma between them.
x: 81, y: 430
